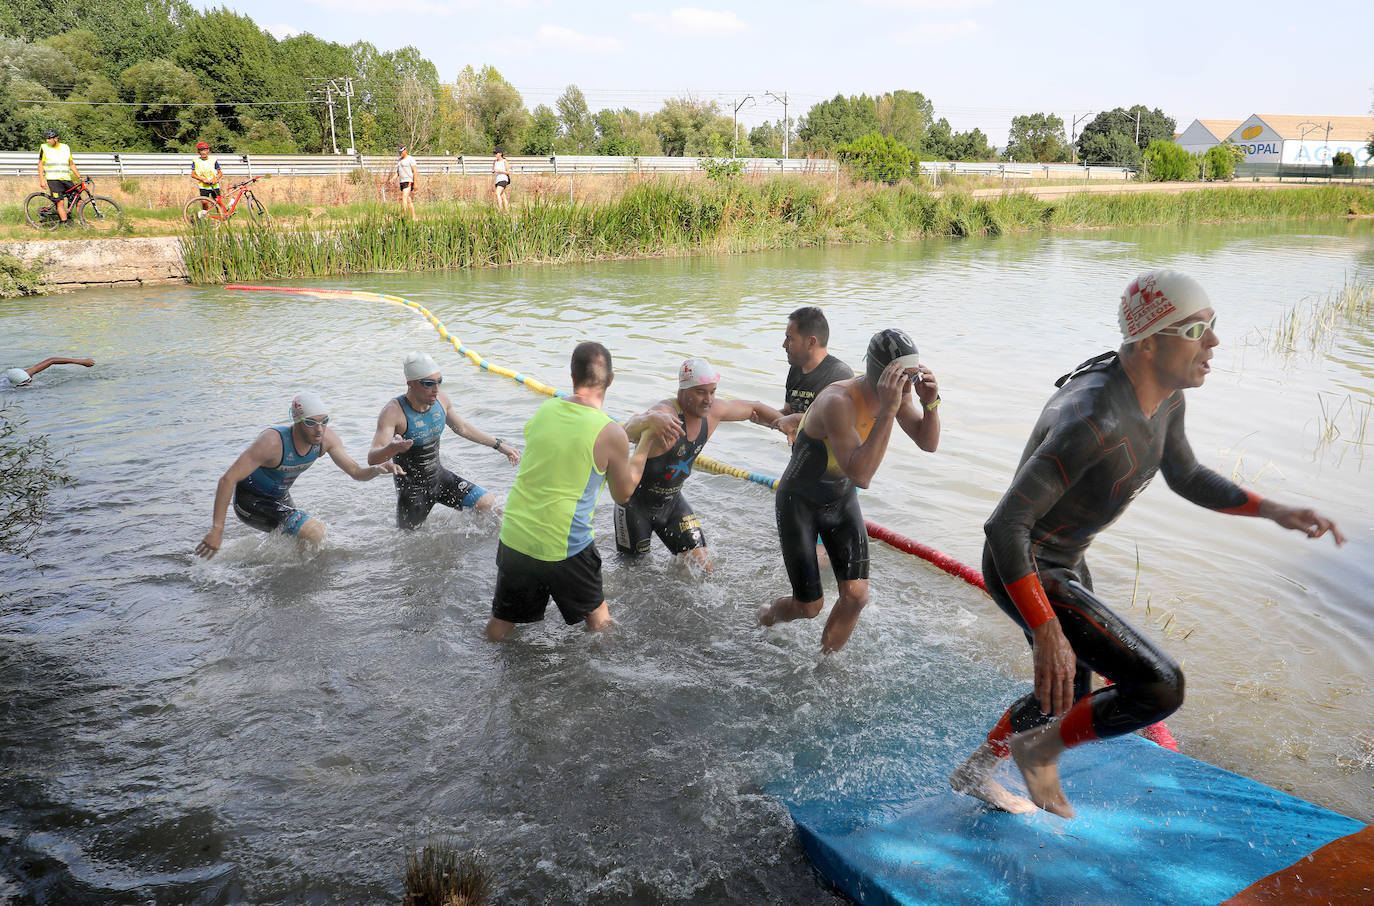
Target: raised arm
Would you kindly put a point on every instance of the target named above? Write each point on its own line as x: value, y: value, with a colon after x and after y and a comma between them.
x: 57, y: 360
x: 919, y: 414
x: 390, y: 424
x: 265, y: 451
x: 623, y: 471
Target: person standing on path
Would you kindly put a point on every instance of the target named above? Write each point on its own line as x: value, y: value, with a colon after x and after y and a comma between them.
x: 405, y: 172
x: 500, y: 170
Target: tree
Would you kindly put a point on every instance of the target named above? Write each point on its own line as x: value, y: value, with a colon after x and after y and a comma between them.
x: 579, y: 132
x: 103, y: 123
x: 941, y: 143
x: 231, y: 60
x: 542, y: 131
x: 416, y: 111
x: 267, y: 137
x: 766, y: 139
x: 625, y: 132
x: 11, y: 123
x: 1037, y: 137
x: 841, y: 119
x: 172, y: 106
x: 905, y: 116
x: 1167, y: 162
x: 878, y: 158
x: 1220, y: 161
x: 687, y: 127
x: 1101, y: 141
x: 493, y: 109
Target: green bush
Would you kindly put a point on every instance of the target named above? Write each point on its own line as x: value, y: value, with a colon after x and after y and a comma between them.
x: 129, y: 186
x: 1167, y: 162
x: 1220, y: 161
x: 878, y: 158
x: 1343, y: 159
x: 721, y: 170
x: 19, y: 279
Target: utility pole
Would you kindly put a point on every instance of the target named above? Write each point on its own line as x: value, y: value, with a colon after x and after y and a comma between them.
x: 786, y: 124
x: 1137, y: 128
x: 748, y: 98
x: 348, y: 98
x: 1073, y: 137
x: 329, y: 102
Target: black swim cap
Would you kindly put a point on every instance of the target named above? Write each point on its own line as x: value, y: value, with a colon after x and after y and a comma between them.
x: 885, y: 346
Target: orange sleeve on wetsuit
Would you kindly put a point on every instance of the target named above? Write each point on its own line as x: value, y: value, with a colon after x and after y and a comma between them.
x: 1249, y: 508
x: 1029, y: 597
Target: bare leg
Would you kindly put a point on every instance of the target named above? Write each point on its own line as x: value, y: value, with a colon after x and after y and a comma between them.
x: 974, y: 778
x: 599, y: 620
x: 1037, y: 755
x: 844, y: 616
x: 497, y: 629
x: 311, y: 535
x: 485, y: 503
x: 787, y: 609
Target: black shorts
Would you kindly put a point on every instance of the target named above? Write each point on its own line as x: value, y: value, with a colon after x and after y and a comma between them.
x: 840, y: 524
x: 672, y: 520
x: 267, y: 514
x: 208, y: 192
x: 59, y: 187
x: 524, y: 585
x: 415, y: 499
x: 502, y: 183
x: 406, y: 185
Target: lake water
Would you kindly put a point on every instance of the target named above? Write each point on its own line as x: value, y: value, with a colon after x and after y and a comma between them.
x: 272, y: 728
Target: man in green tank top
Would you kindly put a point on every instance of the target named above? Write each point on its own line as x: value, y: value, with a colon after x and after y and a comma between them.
x: 546, y: 547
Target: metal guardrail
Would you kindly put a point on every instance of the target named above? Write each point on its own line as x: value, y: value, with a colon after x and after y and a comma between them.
x: 238, y: 166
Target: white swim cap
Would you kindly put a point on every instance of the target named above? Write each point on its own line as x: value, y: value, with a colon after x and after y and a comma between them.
x: 1156, y: 299
x: 420, y: 365
x: 695, y: 372
x: 307, y: 405
x: 17, y: 377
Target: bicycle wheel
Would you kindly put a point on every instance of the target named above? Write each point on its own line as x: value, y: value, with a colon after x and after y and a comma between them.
x: 197, y: 216
x: 41, y: 211
x: 101, y: 213
x: 257, y: 212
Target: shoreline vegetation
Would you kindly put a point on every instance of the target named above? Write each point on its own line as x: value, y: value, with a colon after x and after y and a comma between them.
x: 667, y: 217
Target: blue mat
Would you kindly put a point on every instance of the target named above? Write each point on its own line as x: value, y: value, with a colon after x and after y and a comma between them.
x: 1152, y: 826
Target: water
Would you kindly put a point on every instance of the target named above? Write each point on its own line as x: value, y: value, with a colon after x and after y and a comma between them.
x: 271, y: 728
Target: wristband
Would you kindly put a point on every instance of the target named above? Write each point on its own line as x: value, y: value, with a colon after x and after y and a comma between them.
x: 497, y: 446
x: 1029, y: 597
x: 931, y: 406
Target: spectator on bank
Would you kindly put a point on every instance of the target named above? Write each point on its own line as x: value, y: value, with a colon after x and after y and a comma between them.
x: 405, y: 171
x: 57, y: 172
x: 205, y: 170
x: 501, y: 175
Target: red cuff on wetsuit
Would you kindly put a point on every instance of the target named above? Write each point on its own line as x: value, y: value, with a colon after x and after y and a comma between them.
x: 1029, y: 597
x: 1249, y: 508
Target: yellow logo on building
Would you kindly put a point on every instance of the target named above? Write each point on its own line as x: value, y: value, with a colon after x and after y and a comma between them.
x: 1252, y: 132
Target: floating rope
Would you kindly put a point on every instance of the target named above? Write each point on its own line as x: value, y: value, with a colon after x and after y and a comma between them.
x: 1157, y: 733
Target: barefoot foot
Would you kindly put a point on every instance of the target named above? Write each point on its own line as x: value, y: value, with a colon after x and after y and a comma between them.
x: 974, y: 778
x: 1037, y: 755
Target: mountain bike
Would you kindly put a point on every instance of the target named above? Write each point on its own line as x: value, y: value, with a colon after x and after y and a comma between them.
x: 95, y: 212
x: 201, y: 211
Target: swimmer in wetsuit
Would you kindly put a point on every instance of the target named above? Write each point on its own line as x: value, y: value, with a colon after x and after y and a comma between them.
x: 410, y: 428
x: 260, y: 480
x: 1114, y: 422
x: 840, y: 443
x: 657, y: 505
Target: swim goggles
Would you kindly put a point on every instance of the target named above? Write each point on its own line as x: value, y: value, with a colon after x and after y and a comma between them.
x: 314, y: 422
x: 430, y: 383
x: 1191, y: 331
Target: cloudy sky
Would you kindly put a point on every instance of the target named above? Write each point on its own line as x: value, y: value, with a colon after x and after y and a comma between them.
x: 980, y: 61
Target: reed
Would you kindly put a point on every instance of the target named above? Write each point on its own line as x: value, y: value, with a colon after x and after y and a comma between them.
x: 674, y: 217
x: 439, y: 875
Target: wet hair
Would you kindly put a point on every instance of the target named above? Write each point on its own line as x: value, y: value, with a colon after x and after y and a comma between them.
x: 811, y: 322
x: 591, y: 365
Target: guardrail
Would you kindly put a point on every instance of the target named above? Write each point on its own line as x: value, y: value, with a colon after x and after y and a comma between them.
x: 126, y: 164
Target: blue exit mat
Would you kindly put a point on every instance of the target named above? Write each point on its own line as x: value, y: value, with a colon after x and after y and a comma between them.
x: 1152, y: 826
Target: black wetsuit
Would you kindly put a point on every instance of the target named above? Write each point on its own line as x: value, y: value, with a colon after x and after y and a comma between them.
x: 1091, y: 452
x: 815, y: 497
x: 658, y: 506
x: 426, y: 482
x: 802, y: 387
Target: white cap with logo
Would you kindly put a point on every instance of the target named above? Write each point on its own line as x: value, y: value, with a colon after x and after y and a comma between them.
x: 695, y: 372
x: 1156, y: 299
x: 307, y: 405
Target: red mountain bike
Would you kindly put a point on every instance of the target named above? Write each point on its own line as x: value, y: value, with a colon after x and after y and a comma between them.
x: 201, y: 211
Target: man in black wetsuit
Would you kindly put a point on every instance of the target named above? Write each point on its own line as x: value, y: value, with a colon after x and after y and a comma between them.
x: 812, y: 367
x: 840, y: 442
x: 657, y: 505
x: 410, y: 428
x: 1114, y: 422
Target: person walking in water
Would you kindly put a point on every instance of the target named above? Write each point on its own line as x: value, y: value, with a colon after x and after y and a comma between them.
x: 547, y: 547
x: 405, y: 172
x: 500, y: 170
x: 22, y: 377
x: 1115, y: 421
x: 811, y: 367
x: 657, y: 505
x: 839, y: 445
x: 260, y: 480
x: 410, y: 428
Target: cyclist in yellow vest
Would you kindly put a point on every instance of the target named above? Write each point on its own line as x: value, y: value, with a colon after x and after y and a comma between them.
x: 57, y: 171
x: 205, y: 170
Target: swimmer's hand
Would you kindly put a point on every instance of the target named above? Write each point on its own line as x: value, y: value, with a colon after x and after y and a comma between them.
x: 210, y: 544
x: 89, y: 363
x: 926, y: 387
x: 893, y: 384
x: 398, y: 444
x: 663, y: 428
x: 389, y: 468
x: 788, y: 425
x: 1054, y: 668
x: 512, y: 454
x: 1301, y: 519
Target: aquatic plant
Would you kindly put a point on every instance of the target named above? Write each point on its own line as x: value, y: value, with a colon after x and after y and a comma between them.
x: 439, y: 875
x: 29, y: 473
x: 20, y: 279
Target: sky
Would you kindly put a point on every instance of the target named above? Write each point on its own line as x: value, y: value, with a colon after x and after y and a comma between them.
x: 980, y: 61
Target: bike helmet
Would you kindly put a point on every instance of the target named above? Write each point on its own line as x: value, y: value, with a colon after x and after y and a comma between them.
x: 49, y: 133
x: 201, y: 146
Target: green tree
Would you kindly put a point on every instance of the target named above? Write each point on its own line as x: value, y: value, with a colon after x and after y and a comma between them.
x: 298, y: 60
x: 766, y: 139
x: 905, y: 116
x: 542, y: 131
x: 878, y: 158
x: 579, y: 132
x: 231, y: 60
x: 171, y: 105
x: 841, y: 119
x: 103, y: 123
x: 493, y: 108
x: 11, y: 121
x: 687, y: 127
x: 268, y: 137
x: 625, y: 133
x: 1106, y: 139
x: 1037, y: 137
x: 81, y: 47
x: 942, y: 143
x: 1220, y: 161
x: 1167, y: 162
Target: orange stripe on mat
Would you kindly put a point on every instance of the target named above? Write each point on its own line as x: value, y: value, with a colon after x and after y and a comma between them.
x: 1340, y: 873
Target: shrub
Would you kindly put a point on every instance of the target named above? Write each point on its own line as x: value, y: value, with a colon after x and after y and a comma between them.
x: 1343, y: 159
x: 30, y: 471
x: 357, y: 176
x: 129, y: 186
x: 1220, y: 161
x: 1167, y: 162
x: 721, y: 170
x: 19, y: 279
x: 878, y: 158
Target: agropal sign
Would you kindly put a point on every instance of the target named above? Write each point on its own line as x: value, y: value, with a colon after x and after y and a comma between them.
x: 1263, y: 146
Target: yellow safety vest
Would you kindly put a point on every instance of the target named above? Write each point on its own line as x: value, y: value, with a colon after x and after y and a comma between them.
x: 57, y: 162
x: 206, y: 170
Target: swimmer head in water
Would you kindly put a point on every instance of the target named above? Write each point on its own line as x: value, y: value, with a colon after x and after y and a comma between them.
x: 17, y: 377
x: 886, y: 347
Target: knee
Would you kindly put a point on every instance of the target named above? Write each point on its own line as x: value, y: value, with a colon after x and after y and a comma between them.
x: 811, y: 609
x: 485, y: 502
x: 312, y: 532
x: 1167, y: 692
x: 857, y: 599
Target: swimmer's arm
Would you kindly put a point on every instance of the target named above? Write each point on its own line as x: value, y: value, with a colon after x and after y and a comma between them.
x: 335, y: 448
x: 788, y: 425
x: 859, y: 459
x: 661, y: 420
x: 1196, y: 483
x: 57, y: 360
x: 918, y: 418
x: 388, y: 427
x: 265, y: 451
x: 623, y: 471
x: 745, y: 410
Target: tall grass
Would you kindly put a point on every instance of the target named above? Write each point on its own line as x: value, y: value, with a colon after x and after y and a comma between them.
x: 664, y: 217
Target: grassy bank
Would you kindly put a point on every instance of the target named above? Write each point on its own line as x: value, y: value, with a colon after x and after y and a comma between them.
x: 668, y: 217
